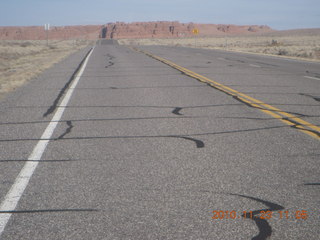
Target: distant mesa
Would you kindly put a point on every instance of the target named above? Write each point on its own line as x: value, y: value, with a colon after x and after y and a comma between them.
x: 57, y: 33
x: 121, y: 30
x: 164, y: 29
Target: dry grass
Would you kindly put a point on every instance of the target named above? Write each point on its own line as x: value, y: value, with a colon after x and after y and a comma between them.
x: 21, y: 61
x: 284, y: 44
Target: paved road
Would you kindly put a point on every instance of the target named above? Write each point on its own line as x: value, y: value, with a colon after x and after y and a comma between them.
x: 144, y: 151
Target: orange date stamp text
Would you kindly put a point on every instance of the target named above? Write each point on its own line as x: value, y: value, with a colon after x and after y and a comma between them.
x: 300, y: 214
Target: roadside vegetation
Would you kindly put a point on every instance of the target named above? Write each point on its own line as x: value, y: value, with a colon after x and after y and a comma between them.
x: 291, y: 44
x: 21, y: 61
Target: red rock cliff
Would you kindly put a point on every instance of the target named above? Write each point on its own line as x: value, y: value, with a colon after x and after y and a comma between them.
x: 160, y: 29
x: 174, y: 29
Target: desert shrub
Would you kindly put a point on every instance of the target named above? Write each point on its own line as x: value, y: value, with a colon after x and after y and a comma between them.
x: 274, y: 43
x: 282, y: 52
x: 26, y: 44
x: 304, y: 55
x: 316, y: 53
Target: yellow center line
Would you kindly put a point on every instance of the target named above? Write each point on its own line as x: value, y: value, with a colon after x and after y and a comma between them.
x: 285, y: 117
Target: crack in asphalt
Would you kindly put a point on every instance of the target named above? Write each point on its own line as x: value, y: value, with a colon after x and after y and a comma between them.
x: 300, y: 126
x: 265, y: 229
x: 234, y: 94
x: 295, y: 125
x: 54, y: 105
x: 313, y: 73
x: 308, y: 95
x: 151, y: 136
x: 45, y: 161
x: 110, y: 58
x: 267, y: 64
x: 68, y: 130
x: 199, y: 143
x: 110, y: 64
x: 50, y: 211
x: 104, y: 119
x: 177, y: 110
x: 261, y: 108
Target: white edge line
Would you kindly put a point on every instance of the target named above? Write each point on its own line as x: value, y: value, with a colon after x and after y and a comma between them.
x: 253, y: 65
x: 13, y: 196
x: 314, y: 78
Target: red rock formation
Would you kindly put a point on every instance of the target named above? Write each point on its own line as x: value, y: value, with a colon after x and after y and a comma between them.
x: 160, y: 29
x: 174, y: 29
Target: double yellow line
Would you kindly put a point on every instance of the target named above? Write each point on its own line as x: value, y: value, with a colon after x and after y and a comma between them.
x: 285, y: 117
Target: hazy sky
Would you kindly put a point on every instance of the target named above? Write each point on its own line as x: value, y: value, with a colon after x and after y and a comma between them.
x: 278, y: 14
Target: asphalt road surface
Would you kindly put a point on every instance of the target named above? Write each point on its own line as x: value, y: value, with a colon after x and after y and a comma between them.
x: 123, y: 143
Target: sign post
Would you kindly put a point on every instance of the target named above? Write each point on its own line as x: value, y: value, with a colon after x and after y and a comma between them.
x: 195, y: 31
x: 47, y: 28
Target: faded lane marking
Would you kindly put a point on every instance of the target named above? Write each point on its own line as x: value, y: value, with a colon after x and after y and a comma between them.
x: 13, y: 196
x: 285, y: 117
x: 253, y: 65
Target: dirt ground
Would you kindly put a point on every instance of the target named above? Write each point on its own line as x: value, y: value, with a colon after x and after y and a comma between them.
x: 301, y: 44
x: 21, y: 61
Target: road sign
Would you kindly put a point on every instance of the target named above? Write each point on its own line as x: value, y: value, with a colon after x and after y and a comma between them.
x: 47, y: 27
x: 195, y: 31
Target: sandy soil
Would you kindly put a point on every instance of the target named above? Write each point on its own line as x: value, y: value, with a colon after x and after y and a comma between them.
x: 301, y: 44
x: 21, y: 61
